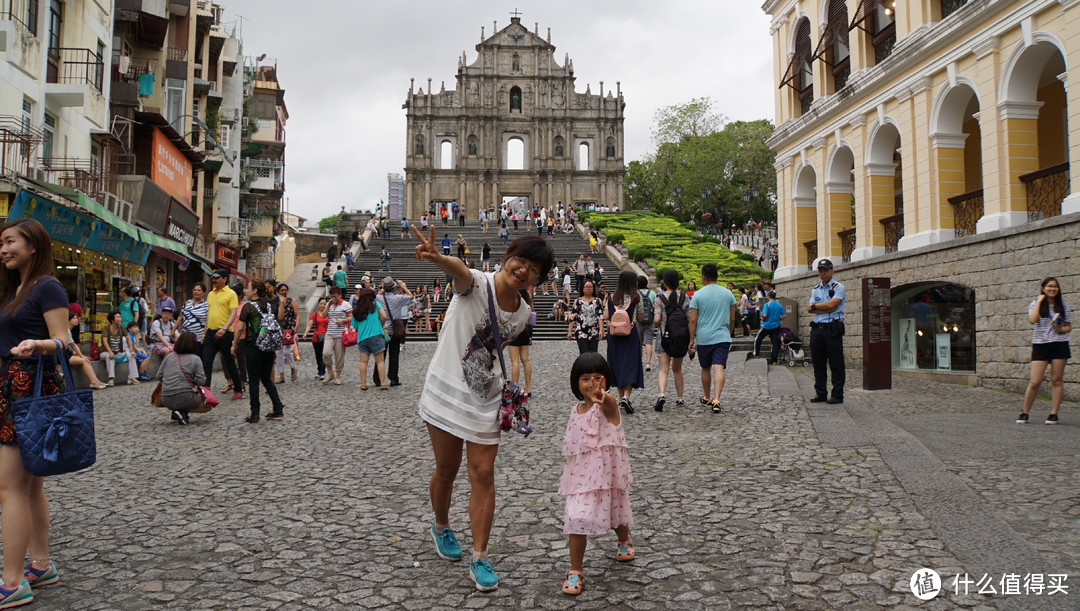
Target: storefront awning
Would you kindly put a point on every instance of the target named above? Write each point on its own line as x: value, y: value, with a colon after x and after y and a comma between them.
x: 88, y: 204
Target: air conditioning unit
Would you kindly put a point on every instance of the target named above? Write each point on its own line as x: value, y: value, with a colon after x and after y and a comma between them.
x: 117, y: 206
x: 39, y: 174
x: 244, y: 123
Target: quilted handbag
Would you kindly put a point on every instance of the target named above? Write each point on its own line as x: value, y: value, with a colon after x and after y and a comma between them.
x: 56, y: 432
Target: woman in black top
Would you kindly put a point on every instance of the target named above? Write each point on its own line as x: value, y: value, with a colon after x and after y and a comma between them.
x: 260, y: 365
x: 33, y: 313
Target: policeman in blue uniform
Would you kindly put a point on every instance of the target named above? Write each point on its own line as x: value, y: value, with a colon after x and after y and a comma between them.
x: 827, y: 334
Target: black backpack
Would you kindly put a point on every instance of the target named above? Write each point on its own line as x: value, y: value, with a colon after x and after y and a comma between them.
x: 676, y: 338
x: 646, y: 308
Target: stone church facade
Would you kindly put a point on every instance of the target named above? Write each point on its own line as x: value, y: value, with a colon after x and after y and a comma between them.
x: 514, y: 126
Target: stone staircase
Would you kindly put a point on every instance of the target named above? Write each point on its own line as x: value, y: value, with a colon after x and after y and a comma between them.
x: 405, y: 267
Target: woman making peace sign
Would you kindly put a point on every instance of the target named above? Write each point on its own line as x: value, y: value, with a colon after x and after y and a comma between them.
x: 463, y: 387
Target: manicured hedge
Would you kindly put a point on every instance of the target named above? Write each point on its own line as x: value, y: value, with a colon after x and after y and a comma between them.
x: 662, y: 243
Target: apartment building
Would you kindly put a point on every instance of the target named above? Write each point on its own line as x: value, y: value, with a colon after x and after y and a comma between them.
x: 263, y: 164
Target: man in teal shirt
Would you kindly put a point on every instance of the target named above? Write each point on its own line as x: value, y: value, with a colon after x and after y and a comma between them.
x: 128, y: 308
x: 770, y: 326
x: 340, y: 278
x: 712, y: 314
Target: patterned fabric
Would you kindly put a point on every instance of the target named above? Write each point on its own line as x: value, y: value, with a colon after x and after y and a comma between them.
x: 597, y: 474
x: 1043, y: 333
x: 195, y: 316
x: 17, y: 382
x: 587, y: 316
x: 288, y: 320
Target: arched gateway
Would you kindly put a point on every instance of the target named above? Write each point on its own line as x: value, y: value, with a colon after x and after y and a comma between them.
x: 513, y: 97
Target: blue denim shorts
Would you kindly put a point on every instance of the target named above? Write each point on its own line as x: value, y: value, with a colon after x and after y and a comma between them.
x: 372, y: 345
x: 713, y: 354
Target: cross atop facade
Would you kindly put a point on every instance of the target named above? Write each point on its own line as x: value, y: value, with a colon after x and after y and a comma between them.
x: 515, y: 13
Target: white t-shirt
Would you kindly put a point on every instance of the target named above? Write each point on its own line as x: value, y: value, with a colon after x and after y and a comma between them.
x: 162, y: 327
x: 463, y: 387
x: 335, y: 313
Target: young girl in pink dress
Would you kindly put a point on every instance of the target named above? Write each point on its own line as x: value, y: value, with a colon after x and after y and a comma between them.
x: 597, y: 472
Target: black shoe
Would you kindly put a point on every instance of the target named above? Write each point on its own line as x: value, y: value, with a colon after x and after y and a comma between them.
x: 251, y: 419
x: 274, y: 415
x: 659, y: 403
x: 835, y: 400
x: 185, y: 418
x: 395, y: 383
x: 176, y: 416
x: 1022, y: 419
x: 819, y: 399
x: 629, y: 406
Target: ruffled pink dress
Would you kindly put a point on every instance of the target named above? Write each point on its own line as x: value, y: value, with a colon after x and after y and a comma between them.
x: 597, y: 476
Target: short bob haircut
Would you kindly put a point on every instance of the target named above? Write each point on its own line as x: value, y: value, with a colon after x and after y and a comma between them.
x: 590, y: 362
x: 186, y: 343
x: 534, y: 250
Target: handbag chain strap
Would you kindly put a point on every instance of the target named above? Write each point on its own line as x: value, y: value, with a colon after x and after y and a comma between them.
x: 495, y: 329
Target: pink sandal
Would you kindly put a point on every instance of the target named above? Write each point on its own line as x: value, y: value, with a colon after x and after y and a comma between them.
x: 625, y: 551
x: 572, y: 585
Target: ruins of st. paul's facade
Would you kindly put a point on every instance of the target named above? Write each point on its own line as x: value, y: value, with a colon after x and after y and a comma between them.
x: 513, y: 127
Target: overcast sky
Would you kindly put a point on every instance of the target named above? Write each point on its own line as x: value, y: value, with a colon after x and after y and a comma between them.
x: 346, y: 64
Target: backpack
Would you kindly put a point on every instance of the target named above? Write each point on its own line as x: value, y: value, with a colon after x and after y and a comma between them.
x: 620, y: 321
x: 676, y: 337
x: 269, y: 338
x: 647, y: 306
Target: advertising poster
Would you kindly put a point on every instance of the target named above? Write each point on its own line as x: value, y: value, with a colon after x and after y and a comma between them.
x: 944, y: 348
x: 169, y: 169
x: 907, y: 339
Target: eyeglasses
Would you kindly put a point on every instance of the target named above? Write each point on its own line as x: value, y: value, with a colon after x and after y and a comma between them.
x: 532, y: 269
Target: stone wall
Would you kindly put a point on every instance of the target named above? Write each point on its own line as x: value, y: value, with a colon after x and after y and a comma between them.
x: 310, y: 246
x: 1004, y: 268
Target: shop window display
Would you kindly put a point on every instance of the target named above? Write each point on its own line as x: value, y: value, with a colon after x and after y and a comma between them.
x: 933, y: 327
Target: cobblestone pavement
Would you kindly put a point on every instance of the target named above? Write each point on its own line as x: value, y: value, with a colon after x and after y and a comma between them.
x: 328, y: 507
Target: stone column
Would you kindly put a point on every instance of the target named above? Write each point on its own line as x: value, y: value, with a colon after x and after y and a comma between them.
x: 1018, y: 138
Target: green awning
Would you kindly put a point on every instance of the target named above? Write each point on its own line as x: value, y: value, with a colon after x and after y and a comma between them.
x: 155, y: 240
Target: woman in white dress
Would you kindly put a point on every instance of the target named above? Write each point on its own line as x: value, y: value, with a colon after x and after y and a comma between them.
x: 464, y: 383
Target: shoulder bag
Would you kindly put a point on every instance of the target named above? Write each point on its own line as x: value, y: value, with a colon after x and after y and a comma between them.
x: 397, y: 325
x: 56, y: 432
x: 209, y: 400
x: 514, y: 407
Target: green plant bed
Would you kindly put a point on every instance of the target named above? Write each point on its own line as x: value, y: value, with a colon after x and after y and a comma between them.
x: 662, y: 243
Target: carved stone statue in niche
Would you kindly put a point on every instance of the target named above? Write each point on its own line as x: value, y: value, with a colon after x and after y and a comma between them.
x: 419, y: 144
x: 515, y: 99
x: 610, y: 147
x: 472, y: 145
x: 557, y: 98
x: 558, y: 147
x: 473, y: 94
x: 517, y: 63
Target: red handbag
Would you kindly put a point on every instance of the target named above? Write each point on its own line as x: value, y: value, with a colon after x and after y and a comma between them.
x: 288, y: 337
x: 348, y: 337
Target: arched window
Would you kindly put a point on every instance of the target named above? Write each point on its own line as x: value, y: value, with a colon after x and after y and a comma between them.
x: 558, y: 146
x: 838, y: 53
x: 933, y: 327
x: 515, y: 154
x: 584, y: 160
x: 800, y: 75
x: 446, y: 155
x: 515, y: 99
x: 878, y: 19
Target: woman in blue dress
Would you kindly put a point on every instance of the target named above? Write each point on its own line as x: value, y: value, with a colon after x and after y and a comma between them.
x: 624, y: 351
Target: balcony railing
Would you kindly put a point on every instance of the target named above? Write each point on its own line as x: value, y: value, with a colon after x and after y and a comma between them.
x: 209, y: 195
x: 76, y: 66
x: 894, y: 230
x: 847, y: 244
x: 22, y: 12
x: 967, y: 210
x: 86, y: 175
x: 177, y: 54
x: 136, y: 67
x: 17, y: 143
x: 811, y: 253
x: 1046, y: 189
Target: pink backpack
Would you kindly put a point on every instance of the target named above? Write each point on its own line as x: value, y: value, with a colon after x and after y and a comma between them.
x: 620, y: 321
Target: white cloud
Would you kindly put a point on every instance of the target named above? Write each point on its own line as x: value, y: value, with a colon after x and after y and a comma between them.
x: 345, y: 67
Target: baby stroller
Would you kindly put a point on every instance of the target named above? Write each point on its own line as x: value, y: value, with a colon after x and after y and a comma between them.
x: 791, y: 348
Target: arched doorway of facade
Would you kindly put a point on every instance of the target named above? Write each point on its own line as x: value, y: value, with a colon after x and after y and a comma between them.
x: 805, y: 199
x: 933, y: 327
x: 1036, y: 105
x: 840, y: 203
x: 956, y: 144
x: 884, y: 207
x: 1033, y: 112
x: 515, y: 154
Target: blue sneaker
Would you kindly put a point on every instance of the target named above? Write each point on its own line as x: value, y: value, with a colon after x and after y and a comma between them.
x: 43, y: 577
x: 144, y: 377
x: 483, y: 576
x: 446, y: 544
x: 17, y: 596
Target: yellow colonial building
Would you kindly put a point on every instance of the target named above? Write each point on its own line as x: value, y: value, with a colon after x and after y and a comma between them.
x: 925, y: 141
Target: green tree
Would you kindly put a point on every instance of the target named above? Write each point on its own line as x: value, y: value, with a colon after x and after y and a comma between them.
x: 329, y: 224
x: 673, y: 124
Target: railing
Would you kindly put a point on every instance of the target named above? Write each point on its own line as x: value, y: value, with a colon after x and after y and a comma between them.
x: 76, y: 173
x: 1046, y: 189
x: 894, y: 230
x: 948, y: 7
x: 22, y: 12
x: 209, y: 195
x: 243, y: 228
x: 967, y: 210
x: 17, y: 143
x: 176, y: 53
x: 137, y: 67
x: 847, y: 244
x: 883, y: 45
x: 811, y: 253
x: 76, y: 66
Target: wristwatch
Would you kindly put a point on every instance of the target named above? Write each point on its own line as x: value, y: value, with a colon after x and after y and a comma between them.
x: 813, y: 306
